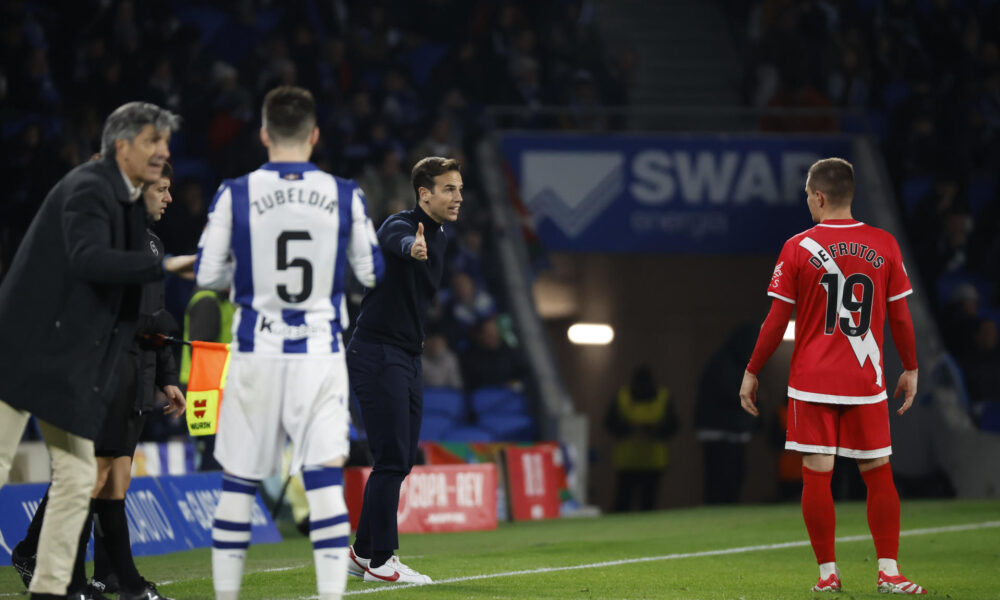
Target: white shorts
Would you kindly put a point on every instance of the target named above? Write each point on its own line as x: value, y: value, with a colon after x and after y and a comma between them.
x: 269, y: 400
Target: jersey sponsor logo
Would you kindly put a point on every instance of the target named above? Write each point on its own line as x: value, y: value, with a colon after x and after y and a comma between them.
x: 293, y: 332
x: 153, y: 249
x: 776, y: 276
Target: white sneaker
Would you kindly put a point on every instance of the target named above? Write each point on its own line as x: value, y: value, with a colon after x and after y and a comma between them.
x: 394, y: 571
x: 356, y: 566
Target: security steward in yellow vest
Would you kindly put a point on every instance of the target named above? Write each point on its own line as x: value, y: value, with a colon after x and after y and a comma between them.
x: 641, y: 418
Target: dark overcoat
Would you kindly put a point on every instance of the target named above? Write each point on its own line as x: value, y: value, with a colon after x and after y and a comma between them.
x: 70, y: 301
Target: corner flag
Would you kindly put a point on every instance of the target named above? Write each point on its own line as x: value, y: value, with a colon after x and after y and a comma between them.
x: 209, y: 365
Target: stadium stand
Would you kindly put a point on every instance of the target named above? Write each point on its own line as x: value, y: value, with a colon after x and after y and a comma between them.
x: 395, y: 80
x: 929, y: 70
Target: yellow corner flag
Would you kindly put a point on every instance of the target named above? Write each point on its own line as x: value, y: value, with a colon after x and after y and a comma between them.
x: 209, y: 365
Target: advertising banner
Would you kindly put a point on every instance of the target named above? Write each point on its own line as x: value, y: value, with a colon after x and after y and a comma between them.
x: 533, y: 481
x: 165, y: 514
x: 435, y: 498
x: 194, y: 498
x: 709, y: 193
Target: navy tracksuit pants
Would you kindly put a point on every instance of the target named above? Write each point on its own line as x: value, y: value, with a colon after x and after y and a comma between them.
x: 388, y: 382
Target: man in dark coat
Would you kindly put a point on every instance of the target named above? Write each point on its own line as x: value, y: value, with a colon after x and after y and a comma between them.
x: 68, y: 310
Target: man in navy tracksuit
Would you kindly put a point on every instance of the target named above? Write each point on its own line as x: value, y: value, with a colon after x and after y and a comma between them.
x: 383, y: 360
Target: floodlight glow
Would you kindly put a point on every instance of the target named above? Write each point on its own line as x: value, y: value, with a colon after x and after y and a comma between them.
x: 590, y: 333
x: 790, y: 332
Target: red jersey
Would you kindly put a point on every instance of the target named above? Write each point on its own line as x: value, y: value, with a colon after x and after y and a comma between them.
x: 840, y: 275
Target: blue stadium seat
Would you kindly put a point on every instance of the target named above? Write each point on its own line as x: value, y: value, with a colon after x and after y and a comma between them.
x: 498, y: 400
x: 445, y: 402
x: 990, y: 418
x: 436, y: 427
x: 913, y: 190
x: 982, y: 190
x: 510, y: 428
x: 468, y: 433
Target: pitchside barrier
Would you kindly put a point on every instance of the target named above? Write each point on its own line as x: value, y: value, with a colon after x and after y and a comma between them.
x: 165, y: 514
x: 464, y: 487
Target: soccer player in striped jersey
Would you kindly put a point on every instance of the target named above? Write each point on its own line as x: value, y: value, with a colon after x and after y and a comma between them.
x: 842, y: 276
x: 290, y: 231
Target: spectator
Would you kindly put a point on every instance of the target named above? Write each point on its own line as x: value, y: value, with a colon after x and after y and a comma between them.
x: 470, y: 304
x: 490, y: 361
x: 386, y: 187
x: 981, y: 366
x: 441, y: 368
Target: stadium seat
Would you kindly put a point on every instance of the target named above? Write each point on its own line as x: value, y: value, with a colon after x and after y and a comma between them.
x: 990, y: 417
x: 510, y: 428
x: 468, y: 433
x: 913, y: 190
x: 498, y: 400
x: 446, y: 402
x: 982, y: 190
x: 436, y: 427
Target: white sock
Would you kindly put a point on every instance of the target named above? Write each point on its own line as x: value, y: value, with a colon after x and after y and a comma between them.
x: 231, y: 535
x: 827, y: 569
x: 329, y: 528
x: 888, y: 566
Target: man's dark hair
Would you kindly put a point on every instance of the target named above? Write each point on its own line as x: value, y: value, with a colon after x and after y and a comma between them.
x: 835, y: 178
x: 427, y: 169
x: 289, y: 114
x: 168, y: 171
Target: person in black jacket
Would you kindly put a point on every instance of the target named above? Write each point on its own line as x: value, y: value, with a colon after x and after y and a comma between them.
x: 69, y: 307
x: 383, y: 360
x: 148, y: 366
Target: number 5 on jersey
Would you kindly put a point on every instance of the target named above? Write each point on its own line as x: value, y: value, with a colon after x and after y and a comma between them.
x: 284, y: 264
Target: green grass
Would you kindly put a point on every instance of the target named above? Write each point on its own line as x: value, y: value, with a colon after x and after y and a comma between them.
x: 951, y: 564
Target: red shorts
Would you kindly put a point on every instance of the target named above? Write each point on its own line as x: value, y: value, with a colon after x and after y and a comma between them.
x: 851, y: 430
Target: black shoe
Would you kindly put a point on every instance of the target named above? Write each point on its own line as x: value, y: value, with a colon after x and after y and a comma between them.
x: 24, y: 564
x: 106, y: 585
x: 95, y: 593
x: 148, y: 592
x: 87, y: 593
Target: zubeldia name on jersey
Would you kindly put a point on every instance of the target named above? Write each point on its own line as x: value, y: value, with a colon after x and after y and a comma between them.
x: 836, y: 249
x: 294, y: 196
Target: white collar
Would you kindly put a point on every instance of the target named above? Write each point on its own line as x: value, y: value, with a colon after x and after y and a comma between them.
x: 133, y: 191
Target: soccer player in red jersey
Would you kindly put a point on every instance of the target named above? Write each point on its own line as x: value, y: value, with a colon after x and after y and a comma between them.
x: 843, y: 277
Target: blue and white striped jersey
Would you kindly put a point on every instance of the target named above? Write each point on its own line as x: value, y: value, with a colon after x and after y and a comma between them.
x: 290, y: 230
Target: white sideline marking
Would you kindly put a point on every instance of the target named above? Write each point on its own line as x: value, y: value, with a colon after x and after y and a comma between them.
x: 613, y: 563
x: 643, y: 559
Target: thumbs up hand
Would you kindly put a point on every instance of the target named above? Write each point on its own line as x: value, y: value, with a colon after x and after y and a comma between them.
x: 419, y: 248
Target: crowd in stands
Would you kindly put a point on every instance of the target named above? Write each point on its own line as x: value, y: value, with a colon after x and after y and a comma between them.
x: 395, y: 80
x: 925, y: 76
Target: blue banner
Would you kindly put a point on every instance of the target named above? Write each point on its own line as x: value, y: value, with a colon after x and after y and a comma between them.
x: 194, y: 498
x: 670, y: 193
x: 154, y: 525
x: 165, y: 514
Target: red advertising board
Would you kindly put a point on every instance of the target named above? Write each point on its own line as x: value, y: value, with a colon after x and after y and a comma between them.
x: 435, y: 498
x: 533, y: 481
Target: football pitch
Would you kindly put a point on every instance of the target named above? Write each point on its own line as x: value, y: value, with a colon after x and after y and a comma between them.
x: 952, y: 548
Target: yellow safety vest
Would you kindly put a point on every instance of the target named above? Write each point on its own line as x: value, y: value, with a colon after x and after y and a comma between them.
x: 226, y: 311
x: 641, y: 451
